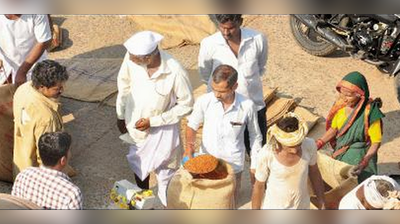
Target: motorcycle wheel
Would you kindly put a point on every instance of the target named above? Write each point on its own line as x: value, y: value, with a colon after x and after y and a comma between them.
x: 309, y: 40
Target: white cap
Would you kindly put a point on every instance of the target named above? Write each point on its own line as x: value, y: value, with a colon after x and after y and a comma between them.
x: 143, y: 43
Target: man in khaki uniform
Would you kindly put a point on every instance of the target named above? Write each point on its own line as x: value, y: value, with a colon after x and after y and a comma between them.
x: 36, y: 111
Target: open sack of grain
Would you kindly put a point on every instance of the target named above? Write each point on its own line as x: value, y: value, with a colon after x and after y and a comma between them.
x: 338, y: 180
x: 208, y: 185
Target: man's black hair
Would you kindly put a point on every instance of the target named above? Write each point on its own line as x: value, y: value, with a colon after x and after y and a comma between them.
x: 225, y: 73
x: 288, y: 124
x: 53, y: 146
x: 223, y: 18
x: 48, y: 73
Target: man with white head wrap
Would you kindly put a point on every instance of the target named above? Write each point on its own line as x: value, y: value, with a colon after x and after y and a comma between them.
x: 284, y: 165
x: 154, y: 93
x: 376, y: 192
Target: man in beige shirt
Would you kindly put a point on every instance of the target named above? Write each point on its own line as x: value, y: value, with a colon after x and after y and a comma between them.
x: 36, y: 111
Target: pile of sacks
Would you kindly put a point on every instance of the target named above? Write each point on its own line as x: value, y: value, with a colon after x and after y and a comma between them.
x: 277, y: 107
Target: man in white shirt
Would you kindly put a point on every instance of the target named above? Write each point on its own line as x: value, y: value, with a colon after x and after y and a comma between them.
x: 154, y: 93
x: 24, y: 39
x: 245, y: 50
x: 284, y: 165
x: 224, y: 114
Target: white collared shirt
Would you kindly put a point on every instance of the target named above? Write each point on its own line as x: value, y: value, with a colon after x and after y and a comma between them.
x: 223, y: 131
x: 165, y: 97
x: 250, y: 63
x: 17, y: 39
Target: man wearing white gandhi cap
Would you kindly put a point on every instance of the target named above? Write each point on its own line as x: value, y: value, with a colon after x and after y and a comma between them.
x: 376, y: 192
x: 284, y: 165
x: 154, y: 93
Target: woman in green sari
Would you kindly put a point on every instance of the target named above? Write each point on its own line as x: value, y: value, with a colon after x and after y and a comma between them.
x: 354, y: 126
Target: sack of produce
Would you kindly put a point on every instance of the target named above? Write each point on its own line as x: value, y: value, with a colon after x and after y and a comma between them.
x: 338, y: 179
x: 203, y: 183
x: 6, y: 132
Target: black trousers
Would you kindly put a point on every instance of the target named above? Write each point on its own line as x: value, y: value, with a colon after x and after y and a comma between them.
x: 145, y: 184
x: 262, y: 123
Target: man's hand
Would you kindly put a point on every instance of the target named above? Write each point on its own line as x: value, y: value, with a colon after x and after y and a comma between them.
x: 121, y: 126
x: 20, y: 78
x: 142, y: 124
x: 321, y: 204
x: 1, y: 64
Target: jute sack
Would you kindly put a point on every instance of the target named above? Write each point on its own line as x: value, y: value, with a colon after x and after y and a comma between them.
x: 277, y: 108
x: 6, y: 132
x: 337, y: 175
x: 269, y: 94
x: 310, y: 118
x: 12, y: 202
x: 184, y: 192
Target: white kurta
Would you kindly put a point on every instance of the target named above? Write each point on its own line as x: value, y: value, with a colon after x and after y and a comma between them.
x: 250, y: 63
x: 18, y: 37
x: 286, y: 186
x: 164, y: 98
x: 141, y: 96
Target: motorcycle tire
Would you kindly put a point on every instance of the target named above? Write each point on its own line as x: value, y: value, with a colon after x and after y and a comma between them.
x: 309, y: 40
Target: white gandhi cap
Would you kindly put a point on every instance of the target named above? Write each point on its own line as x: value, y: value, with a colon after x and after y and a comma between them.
x: 143, y: 43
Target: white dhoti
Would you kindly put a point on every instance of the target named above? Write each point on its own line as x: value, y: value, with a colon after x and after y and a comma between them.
x: 155, y: 154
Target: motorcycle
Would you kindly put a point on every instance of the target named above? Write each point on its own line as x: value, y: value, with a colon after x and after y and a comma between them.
x: 373, y: 38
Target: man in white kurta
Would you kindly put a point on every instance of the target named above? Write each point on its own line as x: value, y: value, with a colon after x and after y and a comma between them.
x: 224, y: 115
x: 245, y: 50
x: 154, y: 93
x: 23, y: 42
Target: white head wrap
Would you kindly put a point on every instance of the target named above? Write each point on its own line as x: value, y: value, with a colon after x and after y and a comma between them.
x: 372, y: 195
x: 288, y: 138
x: 143, y: 43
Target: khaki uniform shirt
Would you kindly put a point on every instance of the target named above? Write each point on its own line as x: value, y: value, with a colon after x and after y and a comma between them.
x: 34, y: 115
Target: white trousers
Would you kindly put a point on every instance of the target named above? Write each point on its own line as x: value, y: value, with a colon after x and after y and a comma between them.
x: 163, y: 176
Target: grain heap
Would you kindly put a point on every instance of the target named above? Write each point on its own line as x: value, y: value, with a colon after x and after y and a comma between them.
x: 206, y: 167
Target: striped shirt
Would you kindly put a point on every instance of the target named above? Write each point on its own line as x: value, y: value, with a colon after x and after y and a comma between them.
x: 48, y: 188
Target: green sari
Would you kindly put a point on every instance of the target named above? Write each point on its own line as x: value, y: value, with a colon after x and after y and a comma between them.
x: 352, y: 140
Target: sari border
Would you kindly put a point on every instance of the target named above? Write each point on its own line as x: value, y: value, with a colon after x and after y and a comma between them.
x: 351, y: 119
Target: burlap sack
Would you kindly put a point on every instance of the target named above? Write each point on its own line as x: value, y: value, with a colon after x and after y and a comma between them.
x: 91, y: 80
x: 269, y: 94
x: 184, y: 192
x: 56, y: 40
x: 277, y: 108
x: 337, y: 175
x: 6, y: 132
x: 178, y: 30
x: 12, y: 202
x: 310, y: 118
